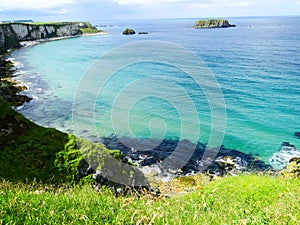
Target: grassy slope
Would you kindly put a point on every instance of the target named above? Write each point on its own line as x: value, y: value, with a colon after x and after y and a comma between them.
x: 246, y: 199
x: 29, y: 151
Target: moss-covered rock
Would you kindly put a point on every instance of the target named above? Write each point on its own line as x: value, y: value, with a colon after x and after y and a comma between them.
x: 292, y: 169
x: 128, y: 32
x: 182, y: 185
x: 9, y: 89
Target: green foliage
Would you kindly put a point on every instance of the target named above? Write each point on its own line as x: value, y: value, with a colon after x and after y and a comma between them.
x: 5, y: 109
x: 27, y: 150
x: 90, y: 30
x: 69, y: 160
x: 250, y: 199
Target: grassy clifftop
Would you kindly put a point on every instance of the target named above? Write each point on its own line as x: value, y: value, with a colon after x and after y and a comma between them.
x: 242, y: 200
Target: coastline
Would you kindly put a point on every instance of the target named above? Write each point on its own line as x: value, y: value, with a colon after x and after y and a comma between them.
x: 225, y: 161
x: 51, y: 177
x: 27, y: 44
x: 188, y: 169
x: 11, y: 91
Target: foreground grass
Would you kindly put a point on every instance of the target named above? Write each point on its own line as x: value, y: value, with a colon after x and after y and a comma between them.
x: 250, y: 199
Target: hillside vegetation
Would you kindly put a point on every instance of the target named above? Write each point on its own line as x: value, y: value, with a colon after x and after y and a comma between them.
x: 246, y: 199
x: 31, y: 152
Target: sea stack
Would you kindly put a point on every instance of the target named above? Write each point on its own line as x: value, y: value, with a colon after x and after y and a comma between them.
x: 213, y: 23
x: 128, y: 32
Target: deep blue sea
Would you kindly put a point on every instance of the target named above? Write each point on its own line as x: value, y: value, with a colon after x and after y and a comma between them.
x: 256, y: 66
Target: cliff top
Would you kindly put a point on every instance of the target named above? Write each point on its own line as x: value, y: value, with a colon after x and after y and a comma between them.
x: 81, y: 24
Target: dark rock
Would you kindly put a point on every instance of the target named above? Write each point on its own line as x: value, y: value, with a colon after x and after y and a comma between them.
x: 286, y: 146
x: 84, y: 170
x: 224, y: 162
x: 10, y: 89
x: 117, y: 188
x: 297, y: 134
x: 128, y: 32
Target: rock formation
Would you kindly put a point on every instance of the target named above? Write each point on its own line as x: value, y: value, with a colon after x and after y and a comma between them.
x: 128, y: 32
x: 213, y: 23
x: 13, y: 33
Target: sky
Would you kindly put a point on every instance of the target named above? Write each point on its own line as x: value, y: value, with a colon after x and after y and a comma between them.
x: 90, y: 10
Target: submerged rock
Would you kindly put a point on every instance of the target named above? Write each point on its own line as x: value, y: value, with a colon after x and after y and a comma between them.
x: 297, y: 134
x: 143, y: 33
x: 138, y: 152
x: 213, y: 23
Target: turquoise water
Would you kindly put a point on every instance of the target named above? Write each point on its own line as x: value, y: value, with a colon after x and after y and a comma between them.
x: 256, y: 65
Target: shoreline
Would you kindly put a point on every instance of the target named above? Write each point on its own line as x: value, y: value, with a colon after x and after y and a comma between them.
x: 10, y: 88
x: 95, y: 34
x: 25, y: 44
x: 225, y: 159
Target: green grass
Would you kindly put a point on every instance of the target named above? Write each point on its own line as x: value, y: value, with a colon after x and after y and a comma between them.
x: 250, y: 199
x: 90, y: 31
x: 48, y: 23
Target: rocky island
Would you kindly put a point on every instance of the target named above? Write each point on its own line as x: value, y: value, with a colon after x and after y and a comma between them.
x: 213, y: 23
x: 129, y: 32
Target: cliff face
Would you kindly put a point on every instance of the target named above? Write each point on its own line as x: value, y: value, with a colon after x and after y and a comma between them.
x: 12, y: 34
x: 212, y: 24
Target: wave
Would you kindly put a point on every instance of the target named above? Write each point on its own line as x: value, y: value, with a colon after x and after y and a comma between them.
x: 280, y: 159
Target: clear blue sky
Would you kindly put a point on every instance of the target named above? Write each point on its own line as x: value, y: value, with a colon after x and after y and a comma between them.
x: 57, y: 10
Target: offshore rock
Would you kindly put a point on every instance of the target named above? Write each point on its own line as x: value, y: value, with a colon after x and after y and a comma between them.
x: 297, y: 134
x: 128, y: 32
x: 213, y: 23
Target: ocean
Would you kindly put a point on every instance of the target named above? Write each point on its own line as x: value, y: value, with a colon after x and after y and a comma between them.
x: 255, y: 65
